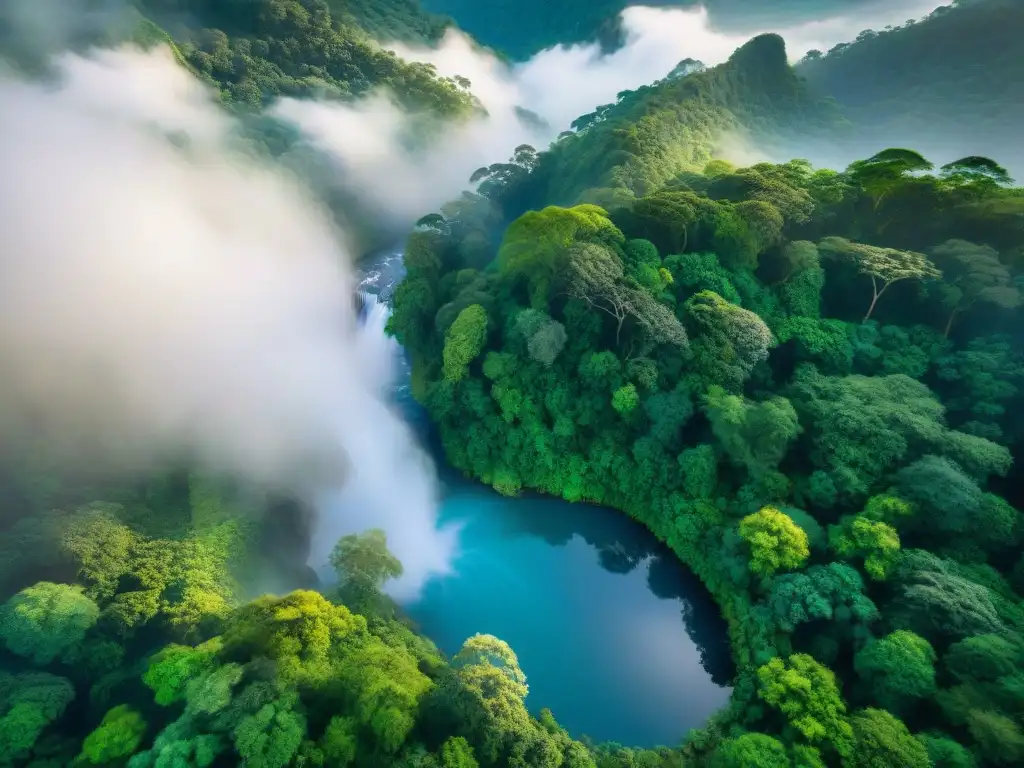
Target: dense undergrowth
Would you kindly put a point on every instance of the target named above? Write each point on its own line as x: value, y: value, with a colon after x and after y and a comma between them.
x: 802, y: 380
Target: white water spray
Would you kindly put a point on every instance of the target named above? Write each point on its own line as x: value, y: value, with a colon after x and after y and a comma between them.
x: 374, y: 495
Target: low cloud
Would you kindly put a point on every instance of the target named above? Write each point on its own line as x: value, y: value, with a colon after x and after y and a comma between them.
x: 405, y: 165
x: 165, y: 296
x: 564, y: 82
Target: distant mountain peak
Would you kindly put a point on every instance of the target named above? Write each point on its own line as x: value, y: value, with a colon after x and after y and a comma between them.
x: 767, y: 51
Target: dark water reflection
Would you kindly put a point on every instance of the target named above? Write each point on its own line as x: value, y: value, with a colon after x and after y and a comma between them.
x: 619, y: 639
x: 623, y: 546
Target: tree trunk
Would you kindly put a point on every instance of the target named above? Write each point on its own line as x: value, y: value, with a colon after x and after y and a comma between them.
x: 871, y: 309
x: 875, y: 298
x: 949, y: 324
x: 618, y: 330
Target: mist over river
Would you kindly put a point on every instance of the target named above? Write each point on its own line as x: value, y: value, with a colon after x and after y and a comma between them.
x: 615, y: 636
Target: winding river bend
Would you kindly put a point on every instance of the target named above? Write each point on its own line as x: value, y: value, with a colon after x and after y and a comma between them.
x: 615, y: 636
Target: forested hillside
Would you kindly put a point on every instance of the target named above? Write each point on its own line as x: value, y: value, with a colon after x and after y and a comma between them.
x: 644, y: 141
x: 258, y: 50
x: 521, y: 28
x: 945, y: 82
x: 805, y: 381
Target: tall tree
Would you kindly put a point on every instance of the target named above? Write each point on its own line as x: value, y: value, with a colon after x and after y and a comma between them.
x: 876, y: 542
x: 596, y: 276
x: 754, y: 435
x: 117, y: 737
x: 883, y: 740
x: 884, y: 266
x: 29, y: 702
x: 881, y: 174
x: 45, y: 621
x: 900, y: 668
x: 975, y: 174
x: 808, y: 696
x: 664, y: 218
x: 973, y: 274
x: 364, y: 564
x: 536, y: 245
x: 729, y: 341
x: 833, y: 592
x: 776, y: 542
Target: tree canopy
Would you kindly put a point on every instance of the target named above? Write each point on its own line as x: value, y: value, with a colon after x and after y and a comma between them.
x: 628, y: 317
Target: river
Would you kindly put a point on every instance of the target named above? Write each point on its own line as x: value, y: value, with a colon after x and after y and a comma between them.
x: 615, y: 636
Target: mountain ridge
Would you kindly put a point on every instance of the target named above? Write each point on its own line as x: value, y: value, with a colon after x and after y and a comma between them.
x: 951, y: 83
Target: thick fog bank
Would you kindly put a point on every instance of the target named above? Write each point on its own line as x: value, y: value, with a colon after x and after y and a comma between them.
x: 165, y: 296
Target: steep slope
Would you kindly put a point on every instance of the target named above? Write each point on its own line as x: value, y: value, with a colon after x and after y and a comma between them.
x: 951, y: 84
x: 652, y: 135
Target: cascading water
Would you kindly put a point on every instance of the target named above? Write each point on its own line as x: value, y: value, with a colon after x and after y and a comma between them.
x: 373, y: 496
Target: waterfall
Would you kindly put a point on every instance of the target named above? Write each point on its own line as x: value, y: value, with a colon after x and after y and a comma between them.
x: 373, y: 317
x: 373, y: 496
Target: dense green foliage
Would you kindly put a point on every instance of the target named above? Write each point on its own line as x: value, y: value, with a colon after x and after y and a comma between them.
x: 152, y: 659
x: 803, y: 381
x: 256, y: 51
x: 651, y: 138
